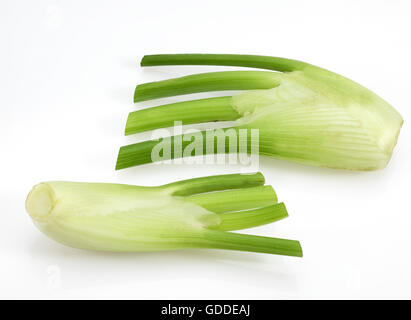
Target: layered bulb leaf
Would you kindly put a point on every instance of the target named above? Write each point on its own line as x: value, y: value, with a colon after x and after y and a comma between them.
x: 316, y: 118
x: 303, y: 113
x: 195, y: 213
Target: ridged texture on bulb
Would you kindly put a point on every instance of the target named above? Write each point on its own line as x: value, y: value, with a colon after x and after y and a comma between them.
x: 319, y: 118
x: 114, y: 217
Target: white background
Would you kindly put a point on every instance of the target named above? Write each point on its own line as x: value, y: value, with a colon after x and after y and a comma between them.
x: 67, y: 74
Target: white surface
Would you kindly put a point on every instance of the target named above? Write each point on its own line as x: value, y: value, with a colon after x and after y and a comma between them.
x: 67, y: 75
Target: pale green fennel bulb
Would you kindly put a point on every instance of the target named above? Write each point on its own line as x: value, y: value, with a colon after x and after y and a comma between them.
x: 196, y: 213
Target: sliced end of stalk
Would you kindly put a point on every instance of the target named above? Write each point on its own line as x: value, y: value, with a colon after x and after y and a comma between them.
x: 40, y: 201
x: 135, y: 154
